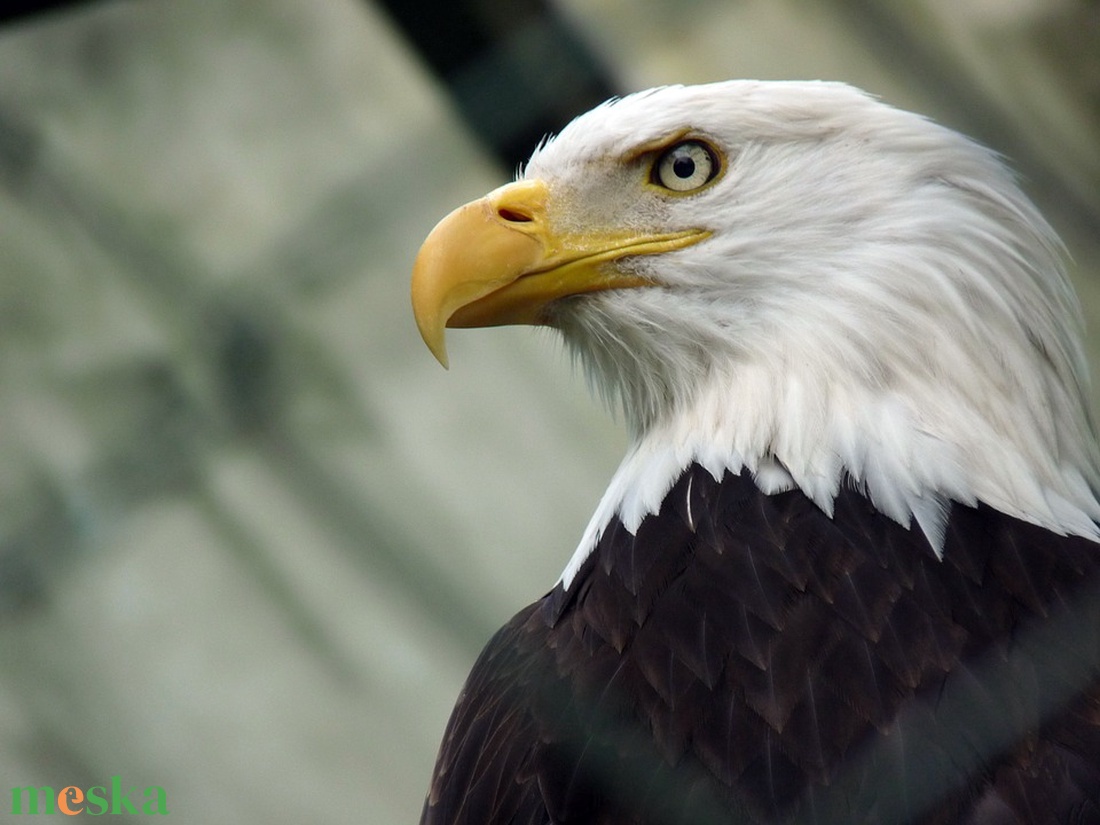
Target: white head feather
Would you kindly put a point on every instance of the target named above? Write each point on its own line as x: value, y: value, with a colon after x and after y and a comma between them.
x: 879, y: 304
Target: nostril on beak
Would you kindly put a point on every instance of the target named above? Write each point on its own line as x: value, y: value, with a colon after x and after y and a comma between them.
x: 513, y: 215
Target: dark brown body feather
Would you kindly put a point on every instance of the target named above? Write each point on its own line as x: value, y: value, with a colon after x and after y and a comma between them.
x: 746, y: 658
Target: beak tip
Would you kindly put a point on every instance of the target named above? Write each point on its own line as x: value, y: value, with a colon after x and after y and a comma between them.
x: 432, y: 329
x: 436, y: 341
x: 441, y: 357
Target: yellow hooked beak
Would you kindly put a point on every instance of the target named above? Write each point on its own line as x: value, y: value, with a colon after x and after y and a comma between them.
x: 497, y: 260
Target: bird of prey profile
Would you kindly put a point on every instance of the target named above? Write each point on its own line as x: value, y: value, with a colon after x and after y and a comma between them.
x: 848, y: 570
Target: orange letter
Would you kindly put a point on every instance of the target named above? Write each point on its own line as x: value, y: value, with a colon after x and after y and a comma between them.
x: 74, y: 794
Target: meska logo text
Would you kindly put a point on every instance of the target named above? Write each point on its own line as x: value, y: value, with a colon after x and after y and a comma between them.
x: 97, y: 800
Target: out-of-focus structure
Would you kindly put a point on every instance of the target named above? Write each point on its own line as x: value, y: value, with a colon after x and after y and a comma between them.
x: 251, y: 536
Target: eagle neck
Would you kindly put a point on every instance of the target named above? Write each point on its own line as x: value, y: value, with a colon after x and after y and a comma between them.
x: 788, y: 434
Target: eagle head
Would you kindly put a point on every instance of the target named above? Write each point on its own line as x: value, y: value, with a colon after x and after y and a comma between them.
x: 797, y: 279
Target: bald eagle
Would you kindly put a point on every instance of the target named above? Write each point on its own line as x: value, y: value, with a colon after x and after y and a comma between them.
x: 848, y: 570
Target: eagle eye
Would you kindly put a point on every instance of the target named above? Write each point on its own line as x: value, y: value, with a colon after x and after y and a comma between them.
x: 686, y: 166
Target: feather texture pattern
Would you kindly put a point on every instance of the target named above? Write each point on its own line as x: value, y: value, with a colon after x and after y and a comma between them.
x: 745, y: 658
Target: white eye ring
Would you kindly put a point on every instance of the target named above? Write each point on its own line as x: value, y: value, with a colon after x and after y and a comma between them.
x: 686, y: 166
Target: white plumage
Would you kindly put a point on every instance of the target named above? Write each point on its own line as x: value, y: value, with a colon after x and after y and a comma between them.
x: 878, y: 304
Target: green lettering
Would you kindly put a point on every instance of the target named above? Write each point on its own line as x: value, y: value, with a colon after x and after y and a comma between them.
x: 46, y: 793
x: 119, y: 799
x: 159, y: 803
x: 96, y: 803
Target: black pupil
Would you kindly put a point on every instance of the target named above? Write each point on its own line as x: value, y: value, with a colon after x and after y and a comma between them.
x: 683, y: 167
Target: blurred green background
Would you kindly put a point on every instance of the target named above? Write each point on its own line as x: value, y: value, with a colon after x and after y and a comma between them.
x: 251, y: 535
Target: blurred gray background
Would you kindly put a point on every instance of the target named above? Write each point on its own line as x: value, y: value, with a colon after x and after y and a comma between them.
x: 251, y: 535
